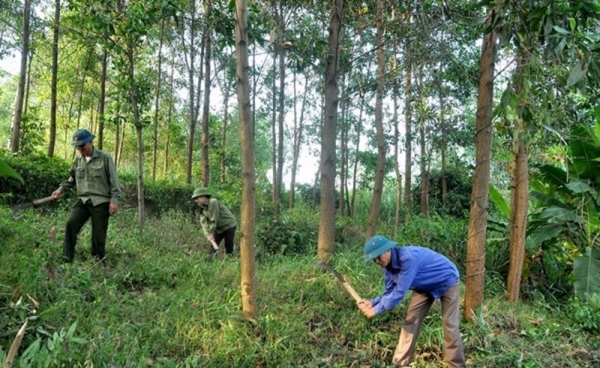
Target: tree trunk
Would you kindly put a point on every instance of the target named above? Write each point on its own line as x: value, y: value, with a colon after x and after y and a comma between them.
x: 226, y: 93
x: 206, y: 105
x: 343, y: 145
x: 281, y: 113
x: 192, y: 91
x: 102, y: 102
x: 396, y: 154
x: 156, y: 101
x: 476, y: 236
x: 424, y: 205
x: 170, y: 113
x: 247, y: 255
x: 408, y: 131
x: 140, y: 140
x: 52, y: 140
x: 298, y: 136
x: 519, y: 190
x: 326, y: 239
x: 381, y: 146
x: 16, y: 125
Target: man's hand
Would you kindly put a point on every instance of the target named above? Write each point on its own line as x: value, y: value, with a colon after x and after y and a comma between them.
x: 211, y: 239
x: 112, y: 208
x: 57, y: 194
x: 366, y: 307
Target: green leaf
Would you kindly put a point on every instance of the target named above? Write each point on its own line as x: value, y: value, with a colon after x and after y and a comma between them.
x: 560, y: 214
x: 6, y: 170
x: 561, y: 30
x: 500, y: 201
x: 577, y: 73
x: 578, y: 186
x: 586, y: 273
x: 546, y: 232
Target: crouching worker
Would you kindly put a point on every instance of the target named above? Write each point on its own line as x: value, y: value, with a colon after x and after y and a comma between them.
x: 217, y: 221
x: 430, y: 276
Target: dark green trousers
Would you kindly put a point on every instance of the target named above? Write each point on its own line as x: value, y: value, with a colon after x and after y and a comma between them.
x: 80, y: 213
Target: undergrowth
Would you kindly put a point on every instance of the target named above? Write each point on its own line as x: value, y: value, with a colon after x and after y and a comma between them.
x: 162, y: 299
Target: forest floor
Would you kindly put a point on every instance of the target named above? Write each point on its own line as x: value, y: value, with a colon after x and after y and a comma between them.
x: 162, y: 299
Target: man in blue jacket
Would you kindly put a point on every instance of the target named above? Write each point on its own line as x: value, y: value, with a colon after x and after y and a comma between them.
x: 430, y: 276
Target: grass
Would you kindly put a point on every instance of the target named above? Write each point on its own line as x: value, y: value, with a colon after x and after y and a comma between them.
x: 162, y: 299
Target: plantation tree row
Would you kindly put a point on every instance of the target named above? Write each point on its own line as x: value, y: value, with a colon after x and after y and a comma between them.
x: 380, y: 91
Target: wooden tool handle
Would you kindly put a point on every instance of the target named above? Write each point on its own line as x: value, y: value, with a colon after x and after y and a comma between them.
x: 43, y: 200
x: 351, y: 291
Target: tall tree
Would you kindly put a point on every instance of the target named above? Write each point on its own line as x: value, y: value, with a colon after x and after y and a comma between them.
x: 326, y: 240
x: 519, y: 188
x: 408, y: 116
x: 476, y: 236
x: 207, y: 85
x: 381, y: 145
x: 53, y: 83
x: 248, y: 265
x: 19, y: 100
x: 156, y: 100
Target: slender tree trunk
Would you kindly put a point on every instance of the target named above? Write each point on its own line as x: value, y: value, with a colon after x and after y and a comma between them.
x: 298, y: 137
x: 170, y: 113
x: 519, y: 189
x: 326, y: 240
x: 247, y: 255
x: 206, y: 105
x: 192, y: 107
x: 19, y: 99
x: 56, y: 30
x: 226, y: 93
x: 443, y: 152
x: 102, y: 102
x: 156, y: 101
x: 396, y: 160
x: 408, y: 131
x: 281, y: 112
x: 343, y: 145
x: 381, y: 146
x: 140, y: 141
x: 483, y: 154
x: 423, y: 154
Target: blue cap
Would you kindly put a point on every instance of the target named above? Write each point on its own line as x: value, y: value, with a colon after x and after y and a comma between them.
x: 81, y: 137
x: 376, y: 246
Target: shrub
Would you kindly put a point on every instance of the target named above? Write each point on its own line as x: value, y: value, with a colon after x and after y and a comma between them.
x: 41, y: 176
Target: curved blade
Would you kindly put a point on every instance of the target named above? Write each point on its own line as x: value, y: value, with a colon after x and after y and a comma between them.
x: 333, y: 270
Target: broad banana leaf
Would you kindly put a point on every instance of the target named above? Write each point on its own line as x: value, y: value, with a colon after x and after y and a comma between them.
x: 586, y: 273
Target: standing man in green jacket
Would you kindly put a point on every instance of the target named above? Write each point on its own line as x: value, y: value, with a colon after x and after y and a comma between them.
x: 217, y: 221
x: 95, y: 176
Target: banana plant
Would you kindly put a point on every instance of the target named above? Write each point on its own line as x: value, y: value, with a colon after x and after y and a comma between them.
x: 567, y: 207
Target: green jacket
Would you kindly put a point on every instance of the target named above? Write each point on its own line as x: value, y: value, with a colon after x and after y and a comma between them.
x: 96, y: 179
x: 216, y: 218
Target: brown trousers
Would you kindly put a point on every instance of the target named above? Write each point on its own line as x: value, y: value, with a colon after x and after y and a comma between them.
x: 420, y: 303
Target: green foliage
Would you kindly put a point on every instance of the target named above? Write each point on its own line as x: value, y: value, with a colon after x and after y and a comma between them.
x: 6, y: 170
x: 585, y: 312
x: 288, y: 235
x: 160, y: 299
x: 458, y: 196
x: 41, y: 176
x: 586, y: 273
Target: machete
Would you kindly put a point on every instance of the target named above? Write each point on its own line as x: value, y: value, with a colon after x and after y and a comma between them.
x: 345, y: 284
x: 34, y: 203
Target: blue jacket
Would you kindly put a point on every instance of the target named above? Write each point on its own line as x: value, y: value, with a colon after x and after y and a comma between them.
x: 415, y: 268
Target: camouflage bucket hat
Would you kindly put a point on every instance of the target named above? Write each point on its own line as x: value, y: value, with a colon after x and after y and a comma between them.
x: 201, y: 192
